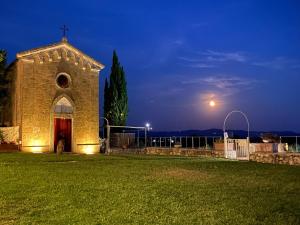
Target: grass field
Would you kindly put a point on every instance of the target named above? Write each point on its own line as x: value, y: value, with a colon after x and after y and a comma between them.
x: 133, y: 189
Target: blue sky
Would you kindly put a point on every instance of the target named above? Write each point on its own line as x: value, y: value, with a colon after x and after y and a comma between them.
x: 179, y: 55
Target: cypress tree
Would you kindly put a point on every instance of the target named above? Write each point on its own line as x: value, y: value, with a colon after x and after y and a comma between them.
x: 115, y: 95
x: 2, y: 62
x: 4, y: 92
x: 106, y: 98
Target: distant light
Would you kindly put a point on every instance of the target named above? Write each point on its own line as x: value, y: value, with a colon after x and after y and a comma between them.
x: 212, y: 103
x: 147, y: 125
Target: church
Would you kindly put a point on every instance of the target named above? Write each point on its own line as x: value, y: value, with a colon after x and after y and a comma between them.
x: 55, y: 95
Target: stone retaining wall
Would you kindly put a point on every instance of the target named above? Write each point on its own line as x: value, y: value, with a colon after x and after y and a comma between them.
x: 127, y: 151
x: 9, y: 148
x: 276, y: 158
x: 263, y: 157
x: 178, y: 151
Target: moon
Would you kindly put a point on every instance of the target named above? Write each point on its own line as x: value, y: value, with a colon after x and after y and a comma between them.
x: 212, y: 103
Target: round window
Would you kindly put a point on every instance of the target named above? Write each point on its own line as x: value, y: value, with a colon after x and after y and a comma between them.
x: 62, y: 81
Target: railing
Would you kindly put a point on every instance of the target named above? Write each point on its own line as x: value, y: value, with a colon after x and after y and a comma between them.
x: 195, y: 142
x: 293, y: 143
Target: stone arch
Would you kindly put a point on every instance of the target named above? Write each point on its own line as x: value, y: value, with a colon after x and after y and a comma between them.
x: 56, y: 55
x: 61, y: 125
x: 47, y: 57
x: 64, y: 54
x: 38, y: 59
x: 59, y: 98
x: 63, y: 106
x: 71, y: 56
x: 88, y: 66
x: 77, y: 59
x: 81, y: 63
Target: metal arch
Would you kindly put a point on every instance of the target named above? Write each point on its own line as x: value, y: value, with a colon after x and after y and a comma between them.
x: 244, y: 115
x: 102, y: 117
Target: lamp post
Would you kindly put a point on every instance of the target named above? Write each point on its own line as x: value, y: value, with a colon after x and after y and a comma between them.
x: 147, y: 127
x: 107, y: 150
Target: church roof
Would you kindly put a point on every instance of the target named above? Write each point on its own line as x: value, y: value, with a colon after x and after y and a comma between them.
x: 67, y: 47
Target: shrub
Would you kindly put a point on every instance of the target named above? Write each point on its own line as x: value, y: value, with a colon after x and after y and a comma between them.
x: 1, y: 137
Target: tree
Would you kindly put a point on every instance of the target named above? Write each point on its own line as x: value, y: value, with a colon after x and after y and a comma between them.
x: 2, y: 62
x: 106, y: 98
x: 115, y: 95
x: 4, y: 85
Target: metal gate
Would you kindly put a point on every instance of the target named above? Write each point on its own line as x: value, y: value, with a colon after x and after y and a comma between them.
x: 237, y: 148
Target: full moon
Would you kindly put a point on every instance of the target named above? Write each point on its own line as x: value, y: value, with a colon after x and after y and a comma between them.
x: 212, y: 103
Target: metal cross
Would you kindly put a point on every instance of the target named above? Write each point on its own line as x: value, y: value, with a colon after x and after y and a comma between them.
x: 64, y: 29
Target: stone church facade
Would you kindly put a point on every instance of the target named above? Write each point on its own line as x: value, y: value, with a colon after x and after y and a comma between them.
x: 55, y: 96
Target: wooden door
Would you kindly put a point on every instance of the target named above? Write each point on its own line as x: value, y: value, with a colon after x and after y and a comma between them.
x: 63, y: 130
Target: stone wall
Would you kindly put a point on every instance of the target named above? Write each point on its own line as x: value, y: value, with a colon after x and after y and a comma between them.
x: 127, y: 151
x: 267, y: 147
x: 276, y: 158
x: 263, y: 157
x: 218, y: 150
x: 180, y: 152
x: 9, y: 148
x: 169, y: 151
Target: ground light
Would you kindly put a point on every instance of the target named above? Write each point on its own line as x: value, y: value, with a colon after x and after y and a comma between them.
x: 88, y: 150
x: 36, y: 146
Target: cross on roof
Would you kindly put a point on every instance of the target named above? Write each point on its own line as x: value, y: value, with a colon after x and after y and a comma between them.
x: 64, y: 29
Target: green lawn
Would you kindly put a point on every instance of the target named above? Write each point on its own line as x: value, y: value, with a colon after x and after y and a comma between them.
x: 134, y: 189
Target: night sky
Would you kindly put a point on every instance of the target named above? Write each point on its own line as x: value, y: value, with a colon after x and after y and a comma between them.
x: 179, y: 55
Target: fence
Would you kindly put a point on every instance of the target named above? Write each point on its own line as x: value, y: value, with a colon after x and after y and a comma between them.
x: 293, y: 143
x: 195, y: 142
x: 136, y: 139
x: 126, y: 137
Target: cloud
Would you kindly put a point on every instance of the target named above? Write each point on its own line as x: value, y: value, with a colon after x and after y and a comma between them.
x: 215, y: 56
x: 221, y: 89
x: 188, y: 59
x: 195, y: 63
x: 225, y: 84
x: 202, y: 65
x: 278, y: 63
x: 212, y: 59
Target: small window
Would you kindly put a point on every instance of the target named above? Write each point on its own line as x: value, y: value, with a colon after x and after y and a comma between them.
x: 63, y: 81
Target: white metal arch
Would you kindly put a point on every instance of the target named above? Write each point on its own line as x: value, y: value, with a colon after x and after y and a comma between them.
x: 243, y: 114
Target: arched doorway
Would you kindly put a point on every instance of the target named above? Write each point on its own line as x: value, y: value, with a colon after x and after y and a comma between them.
x: 62, y: 124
